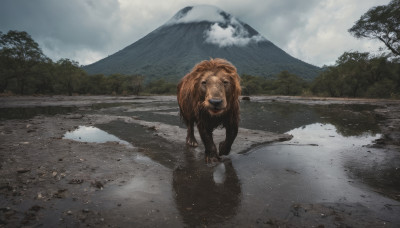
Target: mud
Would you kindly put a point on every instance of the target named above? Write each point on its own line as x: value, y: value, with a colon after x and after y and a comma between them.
x: 296, y: 162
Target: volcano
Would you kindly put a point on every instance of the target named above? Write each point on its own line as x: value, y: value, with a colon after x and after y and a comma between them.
x: 199, y: 33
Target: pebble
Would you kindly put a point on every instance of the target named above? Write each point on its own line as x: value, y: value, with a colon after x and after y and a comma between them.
x: 23, y: 170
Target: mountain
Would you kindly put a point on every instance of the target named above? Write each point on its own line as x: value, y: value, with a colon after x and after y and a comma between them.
x: 198, y: 33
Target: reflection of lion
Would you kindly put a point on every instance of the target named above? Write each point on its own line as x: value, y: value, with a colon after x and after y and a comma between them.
x: 209, y: 96
x: 199, y: 199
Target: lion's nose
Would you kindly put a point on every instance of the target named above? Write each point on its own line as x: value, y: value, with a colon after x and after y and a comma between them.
x: 215, y: 102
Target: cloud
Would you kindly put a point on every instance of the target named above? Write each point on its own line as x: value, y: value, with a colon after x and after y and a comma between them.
x: 64, y: 28
x: 314, y: 31
x: 323, y: 37
x: 230, y: 33
x: 230, y: 36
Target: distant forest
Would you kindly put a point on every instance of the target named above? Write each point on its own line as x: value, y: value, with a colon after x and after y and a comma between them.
x: 25, y: 70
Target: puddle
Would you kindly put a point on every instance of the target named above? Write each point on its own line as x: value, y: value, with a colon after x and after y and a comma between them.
x: 311, y: 168
x: 151, y: 145
x: 350, y: 120
x: 328, y: 137
x: 93, y: 135
x: 219, y: 173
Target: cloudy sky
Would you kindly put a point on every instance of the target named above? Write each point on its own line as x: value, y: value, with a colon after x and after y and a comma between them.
x: 314, y: 31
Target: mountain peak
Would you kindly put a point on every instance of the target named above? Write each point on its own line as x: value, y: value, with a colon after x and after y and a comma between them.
x: 199, y: 13
x: 225, y: 30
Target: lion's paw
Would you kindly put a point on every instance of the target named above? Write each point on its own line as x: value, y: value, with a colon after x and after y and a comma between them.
x: 223, y: 150
x: 191, y: 142
x: 212, y: 159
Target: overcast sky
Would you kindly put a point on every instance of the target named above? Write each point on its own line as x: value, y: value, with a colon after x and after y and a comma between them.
x: 314, y: 31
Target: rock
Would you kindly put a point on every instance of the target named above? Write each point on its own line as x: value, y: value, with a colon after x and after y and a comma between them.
x: 23, y: 170
x: 97, y: 184
x: 75, y: 181
x: 153, y: 128
x: 60, y: 193
x: 36, y: 208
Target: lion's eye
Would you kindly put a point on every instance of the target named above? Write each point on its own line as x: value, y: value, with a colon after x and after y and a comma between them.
x: 226, y: 82
x: 204, y: 82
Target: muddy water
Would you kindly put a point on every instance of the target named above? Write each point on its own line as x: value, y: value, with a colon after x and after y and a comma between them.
x: 321, y: 176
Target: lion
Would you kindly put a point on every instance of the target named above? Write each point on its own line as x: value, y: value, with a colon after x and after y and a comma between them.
x: 209, y: 97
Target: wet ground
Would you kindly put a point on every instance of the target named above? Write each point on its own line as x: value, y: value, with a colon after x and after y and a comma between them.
x: 122, y: 162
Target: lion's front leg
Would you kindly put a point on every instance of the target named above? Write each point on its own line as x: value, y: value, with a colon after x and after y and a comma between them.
x: 190, y: 139
x: 231, y: 133
x: 207, y: 139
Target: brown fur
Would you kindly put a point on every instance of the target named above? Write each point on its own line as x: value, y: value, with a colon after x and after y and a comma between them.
x: 209, y: 97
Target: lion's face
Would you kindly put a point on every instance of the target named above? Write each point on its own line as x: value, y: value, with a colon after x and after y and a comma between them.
x: 215, y: 89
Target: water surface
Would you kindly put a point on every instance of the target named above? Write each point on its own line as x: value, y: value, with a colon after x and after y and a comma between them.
x: 93, y: 135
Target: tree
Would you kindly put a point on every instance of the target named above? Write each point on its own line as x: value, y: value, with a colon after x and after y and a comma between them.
x: 289, y: 84
x: 115, y: 83
x: 133, y: 84
x: 42, y: 80
x: 160, y: 86
x: 251, y: 84
x: 96, y: 84
x: 68, y: 75
x: 19, y: 53
x: 382, y: 23
x: 358, y: 74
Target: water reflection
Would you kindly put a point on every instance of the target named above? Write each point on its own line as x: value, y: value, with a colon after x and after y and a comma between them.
x: 150, y: 144
x: 311, y: 168
x: 275, y: 117
x: 93, y: 134
x: 349, y: 120
x: 205, y: 196
x: 329, y: 137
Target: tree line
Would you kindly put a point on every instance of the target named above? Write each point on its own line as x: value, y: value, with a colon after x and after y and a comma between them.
x: 24, y: 69
x: 355, y: 74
